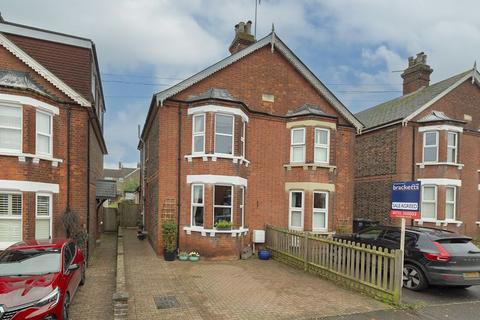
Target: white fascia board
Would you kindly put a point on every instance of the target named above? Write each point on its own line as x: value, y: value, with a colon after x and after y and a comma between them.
x: 23, y: 100
x: 29, y: 186
x: 44, y: 72
x: 217, y: 179
x: 441, y: 182
x: 445, y: 127
x: 219, y: 109
x: 440, y: 96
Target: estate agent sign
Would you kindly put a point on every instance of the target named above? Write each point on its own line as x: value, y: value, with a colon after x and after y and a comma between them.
x: 405, y: 200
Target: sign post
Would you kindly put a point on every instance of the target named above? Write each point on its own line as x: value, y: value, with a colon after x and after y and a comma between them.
x: 405, y: 205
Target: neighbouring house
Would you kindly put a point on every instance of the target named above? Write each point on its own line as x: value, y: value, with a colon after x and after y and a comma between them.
x: 429, y: 134
x: 254, y: 139
x: 126, y: 178
x: 51, y: 133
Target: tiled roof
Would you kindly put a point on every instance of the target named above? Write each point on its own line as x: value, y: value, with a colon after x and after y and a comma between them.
x: 307, y: 109
x: 117, y: 173
x: 213, y: 93
x: 399, y: 108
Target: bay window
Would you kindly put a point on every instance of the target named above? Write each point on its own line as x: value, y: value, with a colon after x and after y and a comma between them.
x: 320, y: 211
x: 198, y: 134
x: 322, y: 145
x: 452, y: 142
x: 43, y: 216
x: 297, y: 152
x: 198, y: 205
x: 242, y: 139
x: 10, y: 129
x: 242, y: 205
x: 224, y: 133
x: 222, y: 203
x: 430, y: 146
x: 450, y: 203
x: 44, y: 133
x: 295, y: 221
x: 429, y: 202
x: 10, y: 217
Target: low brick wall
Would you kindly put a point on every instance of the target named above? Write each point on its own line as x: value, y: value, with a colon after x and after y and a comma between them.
x: 120, y: 297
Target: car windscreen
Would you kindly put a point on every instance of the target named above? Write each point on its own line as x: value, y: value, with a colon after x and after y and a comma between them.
x: 29, y: 262
x: 457, y: 246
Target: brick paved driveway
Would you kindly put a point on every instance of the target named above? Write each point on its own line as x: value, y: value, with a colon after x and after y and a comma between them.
x: 251, y: 289
x: 94, y: 299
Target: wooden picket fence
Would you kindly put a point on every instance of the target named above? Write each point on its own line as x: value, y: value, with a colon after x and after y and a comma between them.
x: 371, y: 270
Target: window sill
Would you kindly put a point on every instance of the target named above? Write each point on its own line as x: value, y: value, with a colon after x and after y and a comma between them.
x: 214, y: 157
x: 310, y: 166
x: 423, y: 164
x: 22, y: 157
x: 439, y: 223
x: 212, y: 232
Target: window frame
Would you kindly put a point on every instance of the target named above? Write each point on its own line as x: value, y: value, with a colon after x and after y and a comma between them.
x: 198, y: 134
x: 194, y: 205
x: 50, y: 136
x: 317, y: 210
x: 323, y: 146
x: 302, y: 144
x: 435, y: 202
x: 10, y: 215
x: 242, y: 138
x: 242, y: 206
x: 224, y: 134
x: 454, y: 203
x: 50, y: 210
x: 20, y: 150
x: 436, y: 146
x: 223, y: 206
x: 455, y: 147
x: 301, y: 209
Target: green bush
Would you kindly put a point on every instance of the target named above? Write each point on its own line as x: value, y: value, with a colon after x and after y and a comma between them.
x: 223, y: 224
x: 169, y: 230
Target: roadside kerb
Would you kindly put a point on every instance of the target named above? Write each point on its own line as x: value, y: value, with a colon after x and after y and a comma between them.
x: 368, y: 269
x: 120, y: 297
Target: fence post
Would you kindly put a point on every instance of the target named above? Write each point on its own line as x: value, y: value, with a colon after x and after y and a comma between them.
x: 305, y: 251
x: 397, y: 292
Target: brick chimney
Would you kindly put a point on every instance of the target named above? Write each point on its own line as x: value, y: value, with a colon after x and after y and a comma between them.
x: 417, y: 74
x: 243, y: 37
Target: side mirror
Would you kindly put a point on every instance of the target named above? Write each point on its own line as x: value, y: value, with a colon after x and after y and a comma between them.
x: 73, y: 267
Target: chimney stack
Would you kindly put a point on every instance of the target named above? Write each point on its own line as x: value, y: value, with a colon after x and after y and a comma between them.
x: 243, y: 37
x: 417, y: 74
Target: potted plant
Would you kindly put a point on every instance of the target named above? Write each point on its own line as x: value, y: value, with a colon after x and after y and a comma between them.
x: 169, y: 231
x: 194, y: 256
x: 264, y: 254
x: 183, y: 256
x: 223, y: 225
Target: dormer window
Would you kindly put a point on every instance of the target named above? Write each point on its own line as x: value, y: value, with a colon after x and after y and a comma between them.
x: 430, y: 146
x: 224, y: 133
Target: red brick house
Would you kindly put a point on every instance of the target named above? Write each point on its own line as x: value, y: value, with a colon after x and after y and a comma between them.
x: 254, y: 139
x: 51, y: 132
x: 431, y: 134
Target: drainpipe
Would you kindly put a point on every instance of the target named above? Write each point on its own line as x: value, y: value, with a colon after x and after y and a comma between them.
x: 68, y: 157
x: 88, y: 188
x: 179, y: 162
x: 142, y: 179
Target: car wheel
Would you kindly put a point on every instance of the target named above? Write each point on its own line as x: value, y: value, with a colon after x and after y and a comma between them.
x: 84, y: 277
x: 66, y: 307
x: 413, y: 278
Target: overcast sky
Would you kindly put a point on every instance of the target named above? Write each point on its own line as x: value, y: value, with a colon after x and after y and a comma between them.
x: 355, y: 47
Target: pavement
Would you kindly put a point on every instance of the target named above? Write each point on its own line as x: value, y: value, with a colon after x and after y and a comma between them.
x: 94, y: 299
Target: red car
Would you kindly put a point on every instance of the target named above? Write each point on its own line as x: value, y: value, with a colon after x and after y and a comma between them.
x: 38, y: 279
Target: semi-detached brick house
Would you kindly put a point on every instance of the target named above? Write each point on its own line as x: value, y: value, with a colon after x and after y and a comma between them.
x: 430, y: 134
x: 254, y: 139
x: 51, y: 132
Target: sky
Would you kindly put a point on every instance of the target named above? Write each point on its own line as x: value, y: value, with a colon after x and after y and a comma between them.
x: 358, y: 48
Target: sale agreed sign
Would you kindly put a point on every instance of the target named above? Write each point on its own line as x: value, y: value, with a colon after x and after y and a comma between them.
x: 406, y: 200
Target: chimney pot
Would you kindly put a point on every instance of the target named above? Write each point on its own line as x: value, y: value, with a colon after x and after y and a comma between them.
x: 243, y: 37
x: 417, y: 74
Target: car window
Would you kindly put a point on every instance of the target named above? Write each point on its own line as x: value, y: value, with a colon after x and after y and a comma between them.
x: 29, y: 261
x: 67, y: 257
x: 371, y: 234
x: 73, y: 249
x: 394, y: 236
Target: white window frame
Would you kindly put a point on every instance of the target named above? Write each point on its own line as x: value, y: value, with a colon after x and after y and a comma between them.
x: 194, y: 205
x: 20, y: 150
x: 455, y: 147
x: 430, y: 146
x: 290, y: 209
x: 50, y: 136
x: 223, y: 206
x: 298, y: 144
x: 198, y: 134
x: 242, y: 205
x: 50, y: 209
x: 10, y: 216
x: 317, y: 210
x: 435, y: 202
x: 242, y: 138
x: 321, y: 146
x: 454, y: 203
x: 224, y: 134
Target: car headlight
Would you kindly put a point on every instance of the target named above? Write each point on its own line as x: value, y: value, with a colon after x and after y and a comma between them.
x: 52, y: 297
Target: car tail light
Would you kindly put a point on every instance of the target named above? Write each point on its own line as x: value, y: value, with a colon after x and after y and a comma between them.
x: 442, y: 256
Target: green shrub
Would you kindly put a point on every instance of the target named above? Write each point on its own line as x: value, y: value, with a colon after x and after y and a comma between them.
x: 169, y: 230
x: 223, y: 224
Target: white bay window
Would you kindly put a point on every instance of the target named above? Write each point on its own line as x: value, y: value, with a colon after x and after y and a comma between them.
x: 452, y: 143
x: 297, y: 151
x: 44, y: 133
x: 198, y: 134
x: 450, y: 203
x: 320, y: 211
x: 10, y: 129
x: 296, y: 209
x: 198, y: 205
x: 430, y: 146
x: 322, y: 146
x: 224, y: 126
x: 10, y: 217
x: 43, y: 216
x: 222, y: 203
x: 429, y: 202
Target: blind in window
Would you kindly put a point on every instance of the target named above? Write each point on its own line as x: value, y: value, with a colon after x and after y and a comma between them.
x: 43, y: 206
